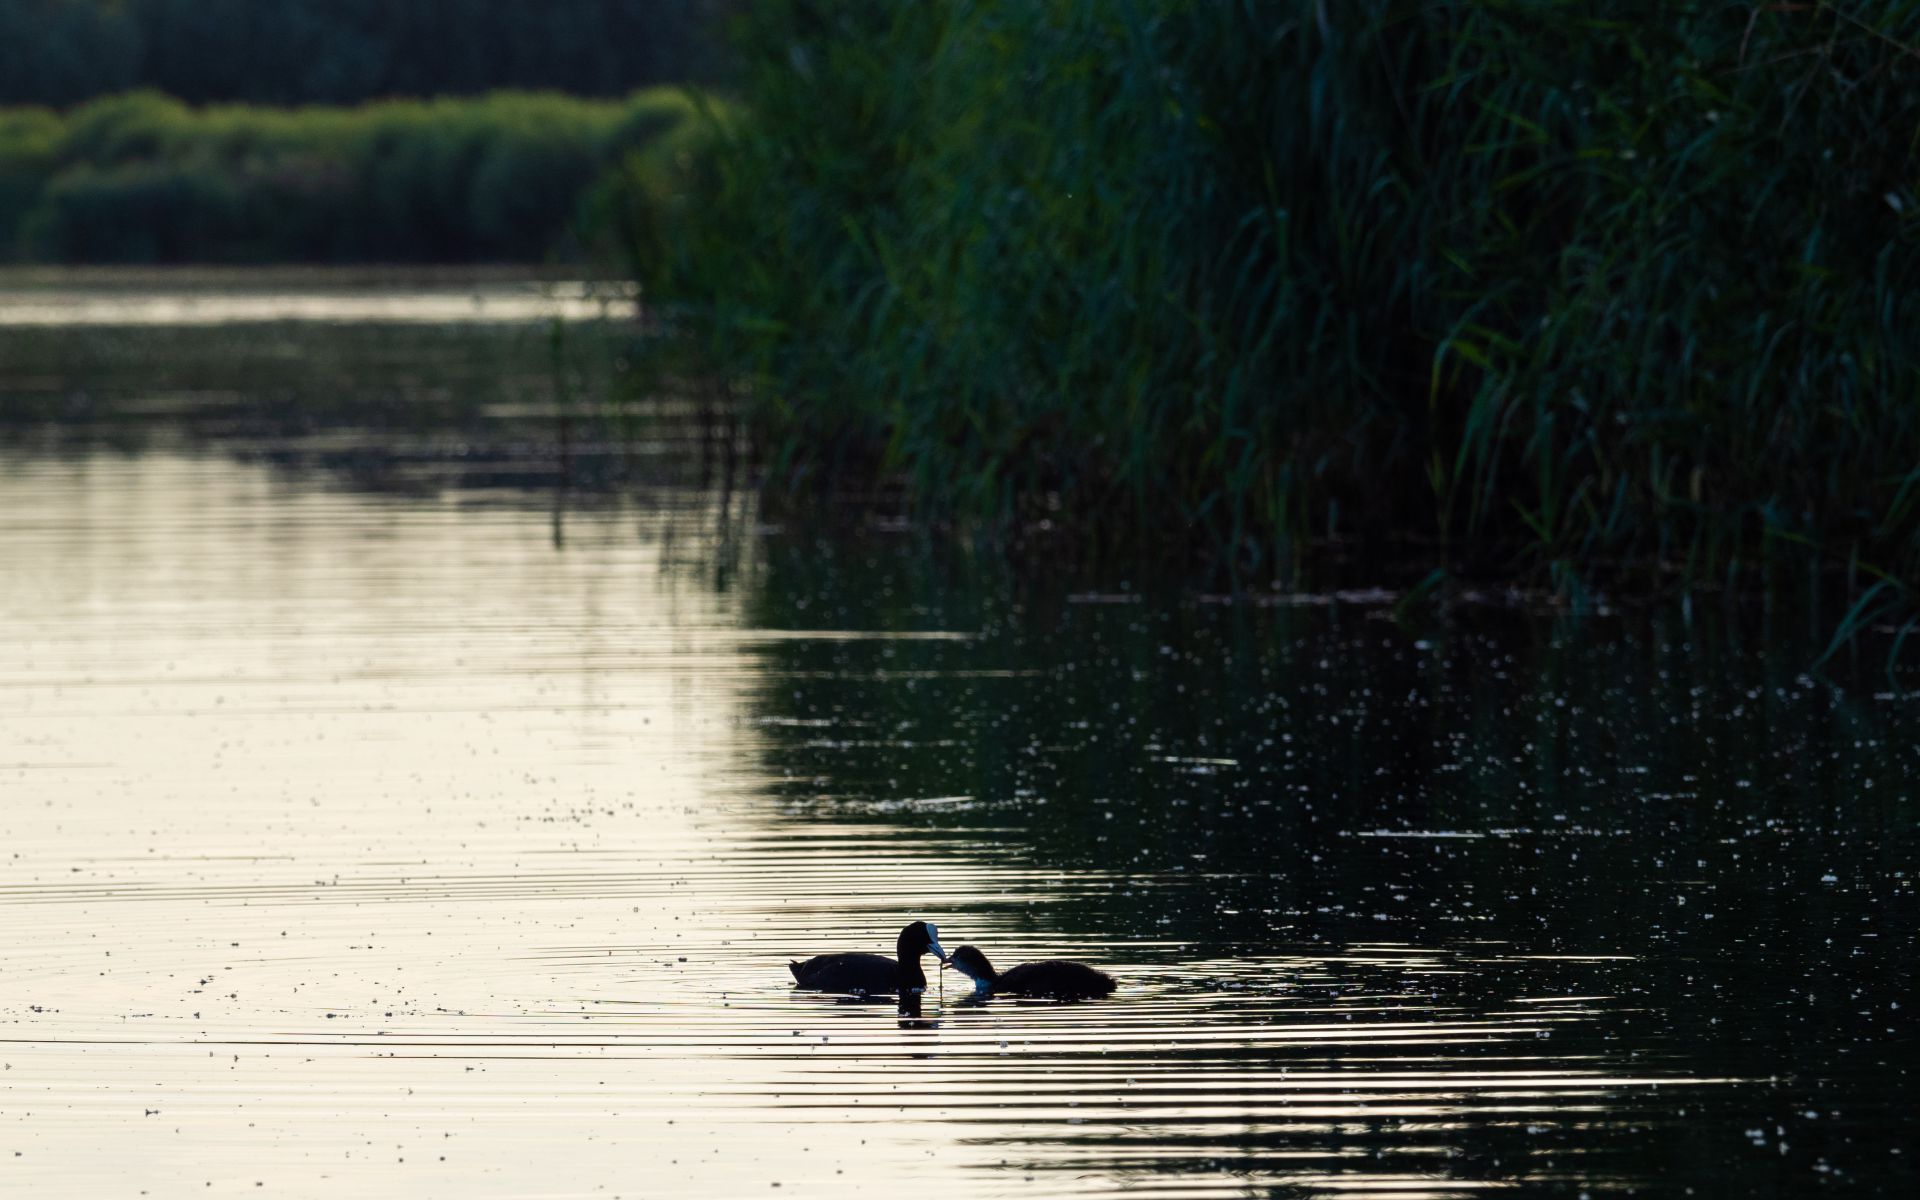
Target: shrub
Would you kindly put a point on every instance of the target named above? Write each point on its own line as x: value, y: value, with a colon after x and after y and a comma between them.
x: 144, y: 178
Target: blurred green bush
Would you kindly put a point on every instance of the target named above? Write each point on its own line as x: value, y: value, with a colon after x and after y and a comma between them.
x: 142, y: 178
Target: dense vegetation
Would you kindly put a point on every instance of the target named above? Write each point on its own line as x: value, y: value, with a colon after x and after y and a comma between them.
x: 290, y: 52
x: 509, y: 176
x: 1591, y: 293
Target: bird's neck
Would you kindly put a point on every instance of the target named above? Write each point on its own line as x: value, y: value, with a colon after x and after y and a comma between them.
x: 911, y: 976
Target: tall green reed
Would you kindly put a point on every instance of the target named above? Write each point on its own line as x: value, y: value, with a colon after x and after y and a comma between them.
x: 1601, y: 294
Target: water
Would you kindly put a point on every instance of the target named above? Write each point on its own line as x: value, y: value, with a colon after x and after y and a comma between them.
x: 451, y: 838
x: 174, y: 300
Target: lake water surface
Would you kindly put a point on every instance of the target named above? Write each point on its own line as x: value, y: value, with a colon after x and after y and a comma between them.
x: 429, y: 828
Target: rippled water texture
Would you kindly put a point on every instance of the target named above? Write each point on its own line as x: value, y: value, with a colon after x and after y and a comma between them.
x: 453, y: 842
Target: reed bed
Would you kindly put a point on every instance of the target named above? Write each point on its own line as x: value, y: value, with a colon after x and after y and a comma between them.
x: 1598, y: 295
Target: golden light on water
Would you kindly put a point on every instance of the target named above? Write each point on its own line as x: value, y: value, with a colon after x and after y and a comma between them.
x: 410, y: 784
x: 309, y: 295
x: 375, y: 844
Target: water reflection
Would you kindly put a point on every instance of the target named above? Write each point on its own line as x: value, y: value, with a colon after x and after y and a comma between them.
x: 178, y: 299
x: 384, y: 842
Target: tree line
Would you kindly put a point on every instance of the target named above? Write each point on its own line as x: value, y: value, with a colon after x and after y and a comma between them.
x: 288, y: 52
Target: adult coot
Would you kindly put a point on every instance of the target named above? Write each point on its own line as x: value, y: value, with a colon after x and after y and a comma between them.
x: 1055, y: 978
x: 873, y: 974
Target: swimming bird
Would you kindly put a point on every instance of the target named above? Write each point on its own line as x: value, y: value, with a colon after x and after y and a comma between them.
x: 873, y: 974
x: 1055, y: 978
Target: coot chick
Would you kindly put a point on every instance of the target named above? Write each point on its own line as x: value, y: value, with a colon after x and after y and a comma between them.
x: 1055, y: 978
x: 873, y: 974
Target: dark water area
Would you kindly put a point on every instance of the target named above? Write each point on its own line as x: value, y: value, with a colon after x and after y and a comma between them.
x: 443, y: 827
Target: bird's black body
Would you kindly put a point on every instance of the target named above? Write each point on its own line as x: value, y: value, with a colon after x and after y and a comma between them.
x: 1056, y: 979
x: 873, y: 974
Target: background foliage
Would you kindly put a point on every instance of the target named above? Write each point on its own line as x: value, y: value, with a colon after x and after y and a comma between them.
x: 1580, y: 291
x: 511, y: 176
x: 289, y: 52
